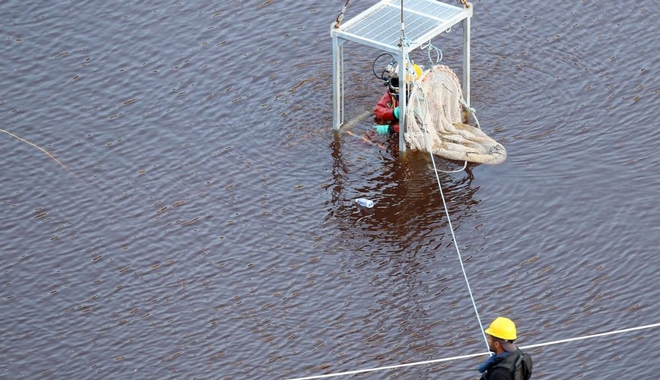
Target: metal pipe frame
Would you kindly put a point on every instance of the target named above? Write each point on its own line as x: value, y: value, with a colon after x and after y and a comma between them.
x: 337, y: 79
x: 338, y: 40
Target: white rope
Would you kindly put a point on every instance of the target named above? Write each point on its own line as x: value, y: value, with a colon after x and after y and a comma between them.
x: 592, y: 336
x: 451, y: 227
x: 453, y: 171
x: 471, y: 110
x: 475, y: 355
x: 389, y: 367
x: 430, y: 47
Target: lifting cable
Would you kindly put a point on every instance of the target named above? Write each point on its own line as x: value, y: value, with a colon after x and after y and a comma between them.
x: 341, y: 15
x: 403, y: 29
x: 406, y: 62
x: 451, y: 227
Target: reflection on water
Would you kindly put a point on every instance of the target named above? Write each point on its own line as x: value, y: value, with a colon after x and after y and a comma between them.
x: 212, y: 232
x: 412, y: 192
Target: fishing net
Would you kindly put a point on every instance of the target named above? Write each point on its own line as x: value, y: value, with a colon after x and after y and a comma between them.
x: 434, y: 121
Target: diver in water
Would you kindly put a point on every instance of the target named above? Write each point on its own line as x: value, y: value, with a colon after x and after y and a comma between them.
x: 387, y: 109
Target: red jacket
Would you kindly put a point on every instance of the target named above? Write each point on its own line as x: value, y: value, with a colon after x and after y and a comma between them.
x: 384, y: 111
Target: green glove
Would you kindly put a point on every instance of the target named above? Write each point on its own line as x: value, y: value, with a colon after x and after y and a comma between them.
x: 396, y: 112
x: 382, y: 129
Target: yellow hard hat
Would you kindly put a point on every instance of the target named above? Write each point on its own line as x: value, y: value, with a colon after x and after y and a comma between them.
x: 502, y: 328
x: 414, y: 74
x: 418, y: 71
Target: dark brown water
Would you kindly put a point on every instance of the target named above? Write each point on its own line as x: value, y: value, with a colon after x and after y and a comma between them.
x: 206, y: 228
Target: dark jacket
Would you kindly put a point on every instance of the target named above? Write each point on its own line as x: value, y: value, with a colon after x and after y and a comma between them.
x: 384, y: 111
x: 509, y: 366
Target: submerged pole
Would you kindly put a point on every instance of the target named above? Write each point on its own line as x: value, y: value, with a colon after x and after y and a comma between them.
x: 402, y: 85
x: 466, y: 58
x: 337, y: 79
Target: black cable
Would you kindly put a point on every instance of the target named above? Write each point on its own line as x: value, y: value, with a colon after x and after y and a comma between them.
x: 373, y: 66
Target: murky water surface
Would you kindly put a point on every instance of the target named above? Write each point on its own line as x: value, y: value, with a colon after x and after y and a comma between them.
x: 198, y: 221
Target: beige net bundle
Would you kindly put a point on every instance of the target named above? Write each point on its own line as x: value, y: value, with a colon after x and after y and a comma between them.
x: 435, y: 106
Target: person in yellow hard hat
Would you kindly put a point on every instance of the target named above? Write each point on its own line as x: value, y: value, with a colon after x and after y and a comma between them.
x: 508, y: 361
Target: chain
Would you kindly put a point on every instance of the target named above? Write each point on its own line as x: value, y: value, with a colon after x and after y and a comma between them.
x: 341, y: 15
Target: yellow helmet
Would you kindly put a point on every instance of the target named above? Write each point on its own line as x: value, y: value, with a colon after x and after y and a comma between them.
x: 418, y: 71
x: 413, y: 74
x: 502, y: 328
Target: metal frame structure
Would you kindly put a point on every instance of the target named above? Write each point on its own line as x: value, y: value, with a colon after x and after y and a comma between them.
x: 381, y: 27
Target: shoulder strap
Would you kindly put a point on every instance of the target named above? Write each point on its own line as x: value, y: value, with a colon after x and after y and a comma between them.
x: 519, y: 360
x: 522, y: 367
x: 527, y: 367
x: 524, y: 361
x: 516, y: 370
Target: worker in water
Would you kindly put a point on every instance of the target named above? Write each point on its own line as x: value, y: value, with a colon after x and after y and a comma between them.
x: 508, y: 361
x: 387, y: 109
